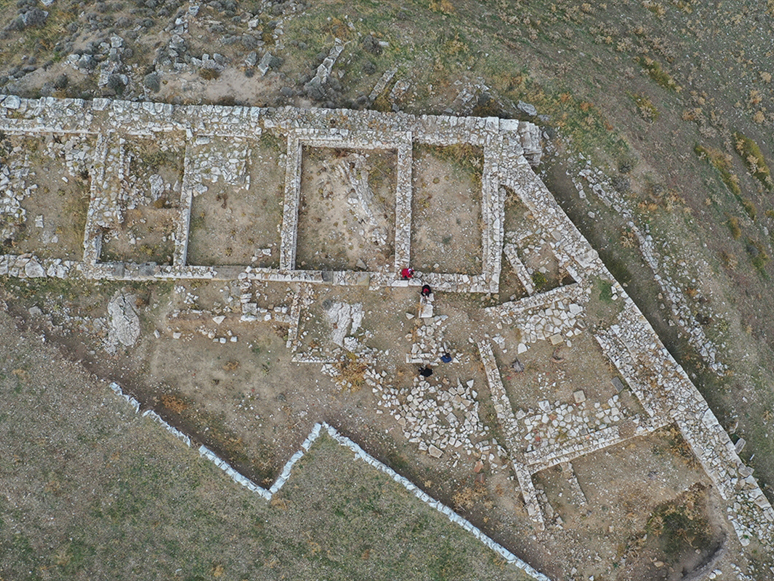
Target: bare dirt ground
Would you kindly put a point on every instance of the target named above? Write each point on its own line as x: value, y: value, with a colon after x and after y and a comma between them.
x: 54, y: 195
x: 151, y: 203
x: 238, y: 223
x: 346, y: 219
x: 446, y: 209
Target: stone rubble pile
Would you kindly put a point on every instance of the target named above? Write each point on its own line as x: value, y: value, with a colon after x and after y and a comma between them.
x: 522, y: 273
x: 441, y: 419
x: 555, y: 315
x: 552, y: 518
x: 226, y: 161
x: 560, y: 422
x: 15, y: 190
x: 427, y: 342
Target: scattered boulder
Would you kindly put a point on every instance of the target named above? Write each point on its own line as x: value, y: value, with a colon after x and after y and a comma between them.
x: 61, y: 82
x: 117, y: 83
x: 370, y: 44
x: 33, y: 269
x: 369, y: 68
x: 152, y: 82
x: 34, y: 18
x: 527, y: 109
x: 269, y: 61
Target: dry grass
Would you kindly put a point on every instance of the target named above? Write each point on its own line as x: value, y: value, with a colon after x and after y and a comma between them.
x: 753, y: 157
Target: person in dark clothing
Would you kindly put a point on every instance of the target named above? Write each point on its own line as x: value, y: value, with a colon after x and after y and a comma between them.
x: 425, y: 371
x: 426, y: 290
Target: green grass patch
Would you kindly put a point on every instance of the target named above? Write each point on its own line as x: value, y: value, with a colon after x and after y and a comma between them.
x: 733, y: 226
x: 722, y: 164
x: 658, y: 74
x: 681, y: 525
x: 754, y: 159
x: 645, y: 107
x: 605, y: 289
x: 464, y: 156
x: 539, y: 280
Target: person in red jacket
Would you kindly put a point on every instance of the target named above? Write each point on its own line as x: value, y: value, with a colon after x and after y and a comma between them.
x: 407, y: 273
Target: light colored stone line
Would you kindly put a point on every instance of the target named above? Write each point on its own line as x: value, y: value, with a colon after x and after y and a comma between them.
x: 575, y: 488
x: 403, y: 197
x: 26, y: 266
x: 626, y: 365
x: 572, y: 250
x: 174, y: 431
x: 233, y: 474
x: 570, y: 293
x: 289, y: 233
x: 518, y: 267
x: 492, y: 218
x: 381, y: 84
x: 183, y: 227
x: 509, y: 424
x: 360, y: 454
x: 750, y: 513
x: 345, y: 139
x: 295, y: 315
x: 128, y: 398
x: 440, y: 507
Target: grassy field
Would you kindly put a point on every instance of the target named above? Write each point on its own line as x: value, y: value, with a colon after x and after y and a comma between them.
x: 89, y: 490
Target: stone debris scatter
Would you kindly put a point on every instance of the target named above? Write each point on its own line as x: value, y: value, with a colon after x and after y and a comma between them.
x: 440, y: 419
x: 553, y: 424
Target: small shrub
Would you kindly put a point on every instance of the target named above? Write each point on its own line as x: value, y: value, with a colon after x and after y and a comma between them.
x: 659, y: 75
x: 729, y: 260
x: 539, y: 280
x: 655, y: 8
x: 722, y: 163
x: 645, y: 107
x: 681, y: 525
x: 209, y: 74
x: 753, y: 158
x: 733, y: 225
x: 749, y: 207
x: 758, y: 256
x: 444, y: 6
